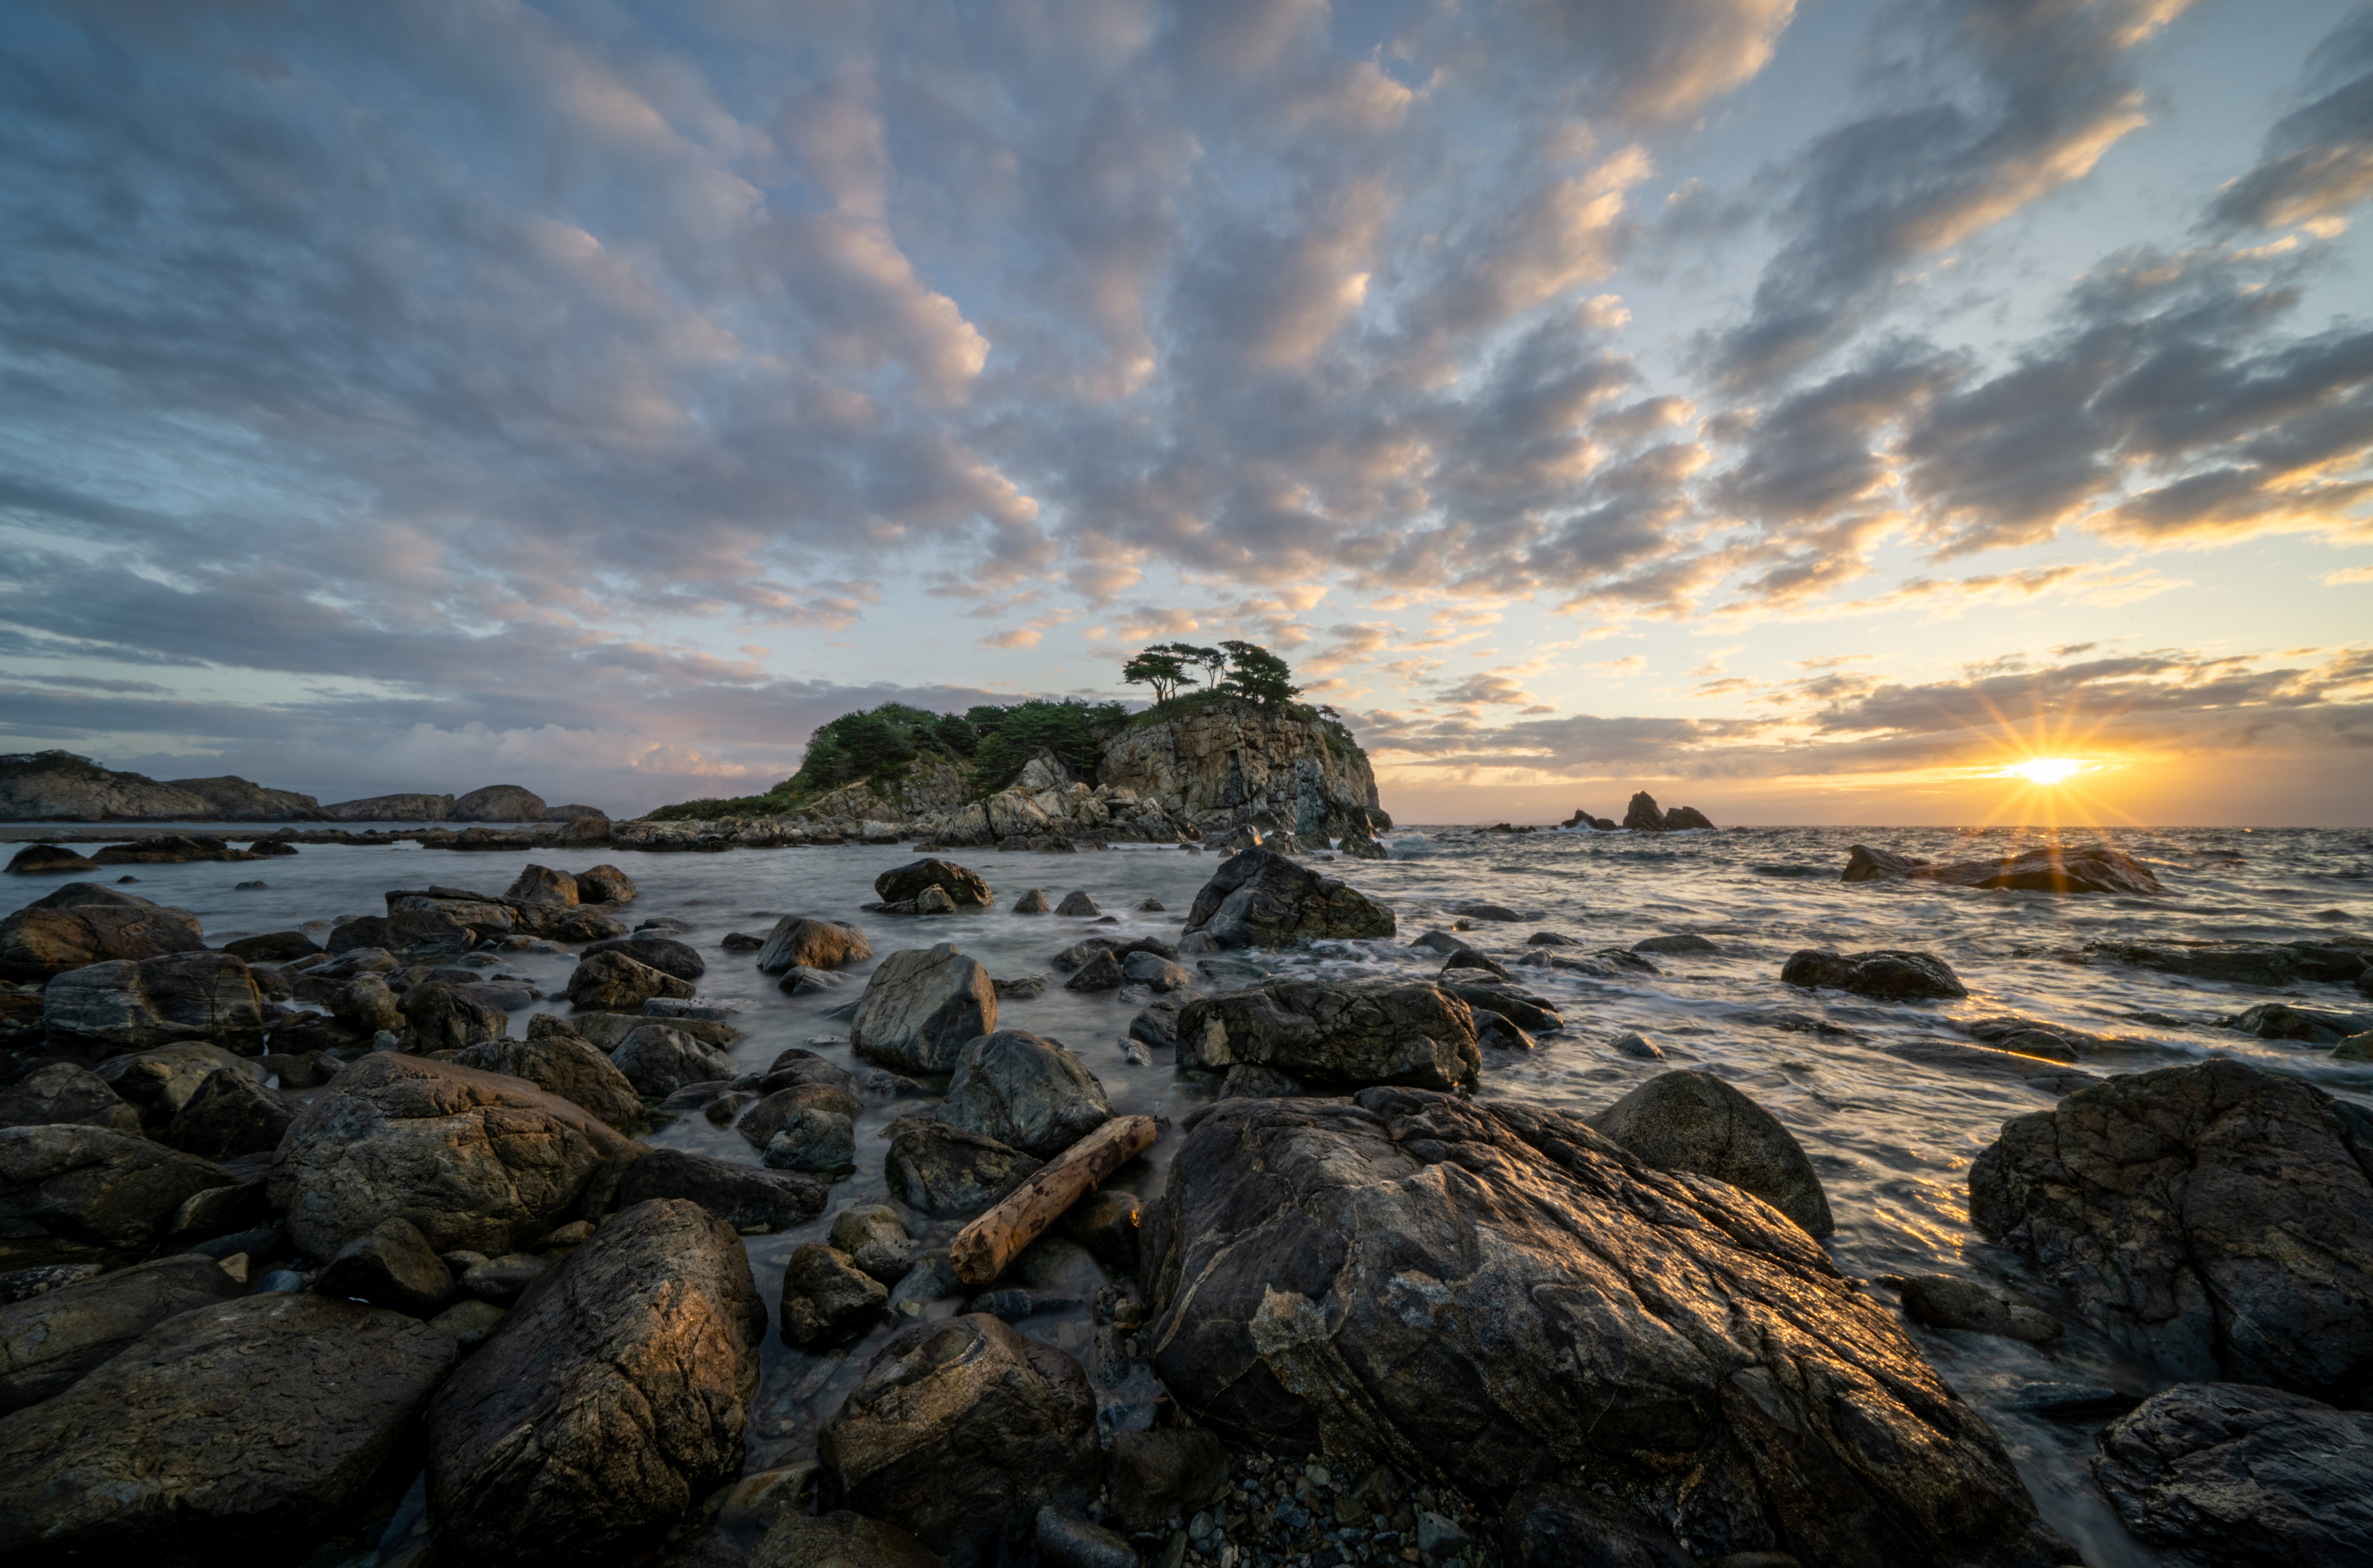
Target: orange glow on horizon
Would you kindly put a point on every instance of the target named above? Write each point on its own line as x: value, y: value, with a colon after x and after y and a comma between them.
x: 2046, y: 769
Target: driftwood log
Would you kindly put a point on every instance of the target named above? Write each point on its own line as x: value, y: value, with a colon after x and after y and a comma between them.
x: 983, y: 1248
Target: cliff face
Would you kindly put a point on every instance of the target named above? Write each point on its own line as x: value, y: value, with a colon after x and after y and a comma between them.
x: 1218, y: 760
x: 60, y: 787
x: 932, y: 786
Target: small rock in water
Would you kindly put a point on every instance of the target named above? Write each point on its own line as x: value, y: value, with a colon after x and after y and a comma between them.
x: 874, y: 1240
x: 1150, y: 906
x: 1639, y: 1045
x: 742, y: 941
x: 1487, y: 912
x: 1032, y: 903
x: 1102, y: 972
x: 1078, y: 905
x: 935, y: 901
x: 1022, y: 988
x: 1498, y: 1033
x: 1468, y: 958
x: 1681, y: 942
x: 1940, y: 1301
x: 249, y: 886
x: 1136, y: 1053
x: 1552, y: 939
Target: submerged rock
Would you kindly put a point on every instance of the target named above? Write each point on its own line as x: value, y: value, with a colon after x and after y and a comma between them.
x: 1258, y: 898
x: 920, y: 1006
x: 1335, y: 1032
x: 1694, y: 1121
x: 1885, y: 975
x: 2244, y: 963
x: 2094, y: 867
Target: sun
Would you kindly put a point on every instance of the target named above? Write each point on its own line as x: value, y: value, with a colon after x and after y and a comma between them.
x: 2044, y: 769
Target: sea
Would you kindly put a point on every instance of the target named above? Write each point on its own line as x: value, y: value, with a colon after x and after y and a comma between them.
x: 1886, y: 1098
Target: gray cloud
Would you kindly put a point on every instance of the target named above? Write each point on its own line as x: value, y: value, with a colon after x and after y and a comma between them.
x: 2318, y: 158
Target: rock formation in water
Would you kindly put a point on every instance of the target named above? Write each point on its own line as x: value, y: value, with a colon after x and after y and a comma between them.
x: 2092, y: 868
x: 60, y: 787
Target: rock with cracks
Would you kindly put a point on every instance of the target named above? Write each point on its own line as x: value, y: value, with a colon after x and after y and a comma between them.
x: 91, y: 1194
x: 920, y: 1006
x: 127, y: 1005
x: 49, y: 1343
x: 84, y: 923
x: 798, y: 942
x: 1336, y: 1032
x: 558, y: 1060
x: 1258, y: 898
x: 1694, y: 1121
x: 1024, y: 1092
x: 1888, y: 975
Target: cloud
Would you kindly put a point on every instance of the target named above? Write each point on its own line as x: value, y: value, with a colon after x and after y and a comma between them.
x: 2317, y: 161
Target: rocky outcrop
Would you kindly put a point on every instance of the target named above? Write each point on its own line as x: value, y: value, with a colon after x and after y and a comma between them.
x: 1258, y: 898
x: 961, y: 1431
x: 1694, y: 1121
x: 1885, y: 975
x: 920, y: 1006
x: 391, y: 808
x: 91, y: 1194
x: 608, y: 1402
x: 2214, y: 1218
x: 1496, y: 1296
x: 2094, y: 867
x: 1218, y: 762
x: 497, y: 803
x: 2224, y: 1474
x: 269, y: 1421
x: 60, y: 787
x: 1029, y: 1094
x: 963, y: 885
x: 47, y: 1344
x: 1335, y: 1032
x: 84, y: 923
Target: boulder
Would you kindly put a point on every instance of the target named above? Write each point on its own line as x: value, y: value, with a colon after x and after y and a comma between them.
x: 91, y: 1194
x: 49, y: 1342
x: 1492, y: 1031
x: 558, y: 1060
x: 1494, y: 1295
x: 1510, y: 1002
x: 1079, y: 905
x: 1940, y: 1301
x: 825, y: 1295
x: 1025, y: 1093
x: 366, y: 1006
x: 800, y: 1093
x: 666, y: 954
x: 875, y: 1239
x: 658, y: 1061
x: 2213, y: 1217
x: 920, y: 1008
x: 497, y: 803
x: 131, y: 1004
x: 1032, y: 903
x: 393, y: 1267
x: 1258, y: 898
x: 50, y: 859
x: 1681, y: 819
x: 1694, y: 1121
x: 1642, y: 816
x: 604, y: 884
x: 1164, y: 1470
x: 475, y: 1160
x: 542, y: 884
x: 1102, y: 972
x: 1335, y: 1032
x: 1156, y: 973
x: 962, y: 1430
x: 262, y: 1424
x: 391, y: 808
x: 939, y: 1171
x: 1885, y: 975
x: 229, y: 1115
x: 166, y: 849
x: 2086, y: 869
x: 2227, y: 1474
x: 2311, y: 1026
x: 1550, y: 1525
x: 59, y: 1092
x: 964, y: 887
x: 443, y: 1017
x: 611, y: 982
x: 610, y: 1400
x: 839, y: 1540
x: 818, y: 1142
x: 272, y: 947
x: 798, y: 942
x: 159, y: 1083
x: 752, y: 1199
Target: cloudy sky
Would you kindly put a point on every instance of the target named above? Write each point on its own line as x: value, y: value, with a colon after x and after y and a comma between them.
x: 1801, y: 409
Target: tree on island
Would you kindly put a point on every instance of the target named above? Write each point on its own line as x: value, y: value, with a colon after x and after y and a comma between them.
x: 1157, y: 667
x: 1254, y: 672
x: 1259, y: 676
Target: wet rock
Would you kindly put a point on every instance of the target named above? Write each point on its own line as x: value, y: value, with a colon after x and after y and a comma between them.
x: 2356, y: 1047
x: 1516, y: 1005
x: 1258, y: 898
x: 365, y: 1005
x: 1164, y: 1471
x: 1548, y: 1525
x: 1469, y: 959
x: 469, y: 1324
x: 609, y: 1402
x: 932, y: 901
x: 1642, y: 816
x: 1495, y: 1293
x: 1024, y: 1092
x: 607, y: 1031
x: 1487, y: 912
x: 50, y: 1340
x: 92, y: 1194
x: 742, y: 941
x: 1022, y: 988
x: 1681, y: 819
x: 962, y: 1429
x: 1158, y: 1024
x: 270, y: 1421
x: 1102, y: 972
x: 657, y: 1059
x: 2084, y: 869
x: 542, y: 884
x: 964, y: 887
x: 819, y: 1141
x: 2214, y: 1217
x: 1153, y: 970
x: 24, y: 1284
x: 874, y: 1240
x: 1065, y: 1539
x: 473, y: 1159
x: 1683, y: 941
x: 1940, y: 1301
x: 1694, y: 1121
x: 941, y: 1171
x: 161, y: 1082
x: 920, y: 1008
x: 1079, y: 905
x: 1105, y: 1224
x: 604, y: 884
x: 785, y: 1105
x: 1495, y: 1032
x: 85, y: 923
x: 839, y: 1540
x: 666, y: 954
x: 2229, y: 1474
x: 2281, y: 1021
x: 50, y: 859
x: 798, y: 942
x: 130, y: 1006
x: 558, y: 1060
x: 61, y: 1093
x: 587, y: 926
x: 614, y: 983
x: 749, y: 1198
x: 827, y: 1295
x: 274, y: 947
x: 1887, y: 975
x: 2267, y: 964
x: 230, y: 1113
x: 1032, y: 903
x: 1250, y: 1080
x: 503, y: 1279
x: 1639, y: 1046
x: 439, y: 1016
x: 393, y: 1267
x: 1335, y: 1032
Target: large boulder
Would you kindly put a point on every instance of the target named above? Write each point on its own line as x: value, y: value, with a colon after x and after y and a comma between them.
x: 2094, y: 867
x: 497, y: 803
x: 47, y: 1344
x: 559, y: 1060
x: 610, y: 1400
x: 542, y: 884
x: 257, y: 1427
x: 1336, y: 1032
x: 614, y: 982
x: 938, y: 1170
x: 1694, y: 1121
x: 59, y: 1092
x: 1885, y: 975
x: 1642, y: 816
x: 963, y: 887
x: 798, y: 942
x: 1494, y: 1295
x: 50, y: 859
x: 442, y: 1017
x: 664, y: 954
x: 229, y: 1115
x: 604, y: 884
x: 920, y: 1006
x: 2223, y: 1473
x: 1024, y: 1092
x: 130, y: 1004
x: 962, y: 1430
x: 475, y: 1160
x: 1258, y: 898
x: 751, y: 1198
x: 658, y: 1061
x: 2214, y: 1218
x: 161, y: 1082
x: 91, y: 1194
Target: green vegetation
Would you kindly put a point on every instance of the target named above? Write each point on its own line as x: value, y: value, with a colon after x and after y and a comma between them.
x: 22, y: 764
x: 1074, y: 731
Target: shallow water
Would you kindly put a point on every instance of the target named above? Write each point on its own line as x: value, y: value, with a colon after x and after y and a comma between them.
x: 1891, y: 1138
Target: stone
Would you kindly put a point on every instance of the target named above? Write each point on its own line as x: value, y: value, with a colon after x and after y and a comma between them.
x: 1681, y: 819
x: 942, y: 1172
x: 875, y: 1240
x: 393, y: 1267
x: 1510, y: 1002
x: 270, y: 1421
x: 819, y: 1141
x: 827, y: 1295
x: 1491, y: 1293
x: 1642, y: 816
x: 161, y: 1082
x: 1496, y: 1033
x: 604, y: 884
x: 920, y: 1008
x: 469, y: 1323
x: 497, y: 803
x: 1105, y: 1224
x: 1940, y: 1301
x: 1336, y: 1032
x: 614, y: 983
x: 2281, y: 1021
x: 24, y: 1284
x: 542, y: 884
x: 749, y: 1198
x: 1158, y: 1024
x: 73, y: 1194
x: 657, y: 1059
x: 1639, y: 1046
x: 366, y: 1005
x: 796, y: 941
x: 1487, y: 912
x: 439, y: 1016
x: 1885, y: 975
x: 1694, y: 1121
x: 272, y: 947
x: 1680, y: 941
x: 1258, y: 898
x: 2214, y: 1218
x: 2228, y: 1474
x: 1032, y: 903
x: 1102, y: 972
x: 1157, y: 973
x: 609, y: 1402
x: 230, y: 1113
x: 935, y: 901
x: 50, y: 1340
x: 1250, y: 1080
x: 1550, y: 1525
x: 473, y: 1159
x: 1064, y: 1540
x: 742, y: 941
x: 50, y: 859
x: 131, y: 1004
x: 59, y: 1092
x: 558, y: 1060
x: 839, y: 1540
x: 504, y: 1278
x: 964, y: 887
x: 2083, y: 869
x: 1158, y: 1473
x: 963, y: 1430
x: 1468, y: 958
x: 1079, y: 905
x: 664, y: 954
x: 605, y: 1032
x: 2242, y: 962
x: 803, y: 1088
x: 588, y: 925
x: 1024, y: 1092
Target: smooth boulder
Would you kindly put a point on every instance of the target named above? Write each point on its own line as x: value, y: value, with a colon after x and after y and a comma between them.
x: 658, y: 1061
x: 920, y: 1006
x: 1024, y: 1092
x: 614, y: 982
x: 1258, y: 898
x: 798, y: 942
x: 131, y: 1004
x: 752, y: 1199
x: 1335, y: 1032
x: 49, y: 1343
x: 1885, y: 975
x: 1694, y: 1121
x: 963, y: 887
x: 91, y: 1194
x: 84, y: 923
x: 558, y: 1060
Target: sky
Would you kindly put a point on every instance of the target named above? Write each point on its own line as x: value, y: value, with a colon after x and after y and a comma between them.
x: 1801, y: 410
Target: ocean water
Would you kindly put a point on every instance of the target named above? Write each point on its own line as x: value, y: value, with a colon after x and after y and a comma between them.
x: 1892, y: 1135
